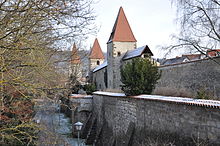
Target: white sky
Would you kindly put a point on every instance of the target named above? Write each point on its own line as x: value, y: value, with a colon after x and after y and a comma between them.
x: 152, y: 22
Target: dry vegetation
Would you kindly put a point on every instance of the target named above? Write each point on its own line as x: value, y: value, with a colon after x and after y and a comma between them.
x: 31, y: 32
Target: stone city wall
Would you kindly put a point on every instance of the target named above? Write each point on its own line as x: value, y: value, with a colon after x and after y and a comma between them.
x: 125, y: 120
x: 186, y: 79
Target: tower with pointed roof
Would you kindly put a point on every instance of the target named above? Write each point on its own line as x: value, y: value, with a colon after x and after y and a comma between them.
x: 75, y: 64
x: 120, y: 41
x: 75, y: 59
x: 96, y: 56
x: 121, y: 48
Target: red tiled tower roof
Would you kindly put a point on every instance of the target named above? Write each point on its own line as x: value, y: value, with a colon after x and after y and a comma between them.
x: 121, y: 31
x: 96, y: 51
x: 75, y: 59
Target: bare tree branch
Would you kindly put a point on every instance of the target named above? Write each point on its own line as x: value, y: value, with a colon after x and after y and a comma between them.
x: 200, y: 23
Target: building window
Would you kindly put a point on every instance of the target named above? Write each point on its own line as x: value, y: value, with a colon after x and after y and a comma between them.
x: 146, y: 55
x: 119, y: 54
x: 98, y: 62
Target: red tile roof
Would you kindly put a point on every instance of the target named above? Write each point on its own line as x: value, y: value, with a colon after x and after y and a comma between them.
x: 213, y: 53
x: 96, y: 51
x: 121, y: 31
x: 193, y: 56
x: 75, y: 59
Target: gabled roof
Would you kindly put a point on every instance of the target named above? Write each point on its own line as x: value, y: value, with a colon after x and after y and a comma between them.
x: 75, y: 59
x: 192, y: 57
x: 121, y: 31
x: 103, y: 65
x: 137, y: 52
x: 96, y: 51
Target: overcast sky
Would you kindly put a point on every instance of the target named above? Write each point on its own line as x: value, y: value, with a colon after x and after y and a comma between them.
x: 152, y: 22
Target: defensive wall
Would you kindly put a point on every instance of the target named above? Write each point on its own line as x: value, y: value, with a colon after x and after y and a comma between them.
x: 188, y: 78
x: 183, y: 79
x: 121, y: 121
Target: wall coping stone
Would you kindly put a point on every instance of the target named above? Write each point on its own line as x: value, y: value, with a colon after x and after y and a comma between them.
x: 79, y: 96
x: 177, y: 100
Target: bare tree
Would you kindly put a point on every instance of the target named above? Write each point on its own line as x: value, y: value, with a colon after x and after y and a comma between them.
x: 30, y: 33
x: 200, y: 25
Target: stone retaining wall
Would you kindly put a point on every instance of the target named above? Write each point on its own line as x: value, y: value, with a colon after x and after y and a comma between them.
x: 78, y: 108
x: 131, y: 120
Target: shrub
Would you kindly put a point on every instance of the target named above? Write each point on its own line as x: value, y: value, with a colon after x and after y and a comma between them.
x: 89, y: 88
x: 139, y: 76
x: 204, y: 94
x: 201, y: 94
x: 76, y: 88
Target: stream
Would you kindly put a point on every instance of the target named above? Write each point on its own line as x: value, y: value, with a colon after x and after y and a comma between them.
x: 55, y: 127
x: 65, y: 129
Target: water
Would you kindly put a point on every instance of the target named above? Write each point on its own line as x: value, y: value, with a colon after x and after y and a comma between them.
x: 55, y: 127
x: 65, y: 129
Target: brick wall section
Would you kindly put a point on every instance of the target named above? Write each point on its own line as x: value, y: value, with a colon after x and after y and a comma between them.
x: 186, y: 79
x: 174, y: 116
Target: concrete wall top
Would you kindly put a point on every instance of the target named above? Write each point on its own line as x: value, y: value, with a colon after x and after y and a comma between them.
x: 177, y: 100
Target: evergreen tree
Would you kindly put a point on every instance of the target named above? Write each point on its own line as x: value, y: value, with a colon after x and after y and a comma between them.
x: 139, y: 76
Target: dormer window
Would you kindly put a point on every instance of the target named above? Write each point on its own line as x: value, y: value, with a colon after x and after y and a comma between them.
x: 98, y: 62
x: 119, y: 54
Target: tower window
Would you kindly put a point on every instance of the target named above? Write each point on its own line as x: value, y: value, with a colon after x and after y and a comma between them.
x: 98, y: 62
x: 119, y: 54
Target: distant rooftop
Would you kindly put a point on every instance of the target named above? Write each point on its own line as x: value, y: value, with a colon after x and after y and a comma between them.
x: 213, y: 53
x: 183, y: 58
x: 193, y: 56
